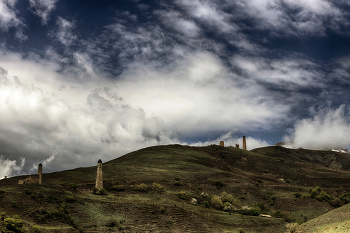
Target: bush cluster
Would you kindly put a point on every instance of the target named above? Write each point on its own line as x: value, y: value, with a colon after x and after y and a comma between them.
x: 219, y: 184
x: 157, y: 187
x: 119, y: 188
x: 141, y: 187
x: 14, y: 224
x: 182, y: 195
x: 285, y: 216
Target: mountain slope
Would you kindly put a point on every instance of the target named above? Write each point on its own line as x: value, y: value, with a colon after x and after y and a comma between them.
x: 250, y: 177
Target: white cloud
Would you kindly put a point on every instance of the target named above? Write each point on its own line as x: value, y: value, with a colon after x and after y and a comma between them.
x: 199, y: 94
x: 175, y: 20
x: 327, y: 129
x: 63, y: 32
x: 42, y: 8
x: 72, y: 126
x: 280, y: 71
x: 291, y: 17
x: 209, y: 13
x: 231, y: 140
x: 9, y: 18
x: 10, y: 167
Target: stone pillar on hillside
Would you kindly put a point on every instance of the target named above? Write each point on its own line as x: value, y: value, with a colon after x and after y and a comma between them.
x: 99, y: 180
x: 237, y: 145
x: 221, y: 143
x: 244, y: 144
x: 40, y: 172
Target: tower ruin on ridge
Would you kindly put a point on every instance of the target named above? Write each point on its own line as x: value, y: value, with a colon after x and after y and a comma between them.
x: 221, y: 143
x: 244, y: 144
x: 99, y: 180
x: 40, y: 172
x: 33, y: 179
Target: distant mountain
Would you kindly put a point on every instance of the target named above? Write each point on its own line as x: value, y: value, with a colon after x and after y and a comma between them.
x: 289, y: 146
x: 341, y: 150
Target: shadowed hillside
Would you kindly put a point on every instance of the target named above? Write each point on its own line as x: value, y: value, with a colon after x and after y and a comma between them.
x: 152, y: 189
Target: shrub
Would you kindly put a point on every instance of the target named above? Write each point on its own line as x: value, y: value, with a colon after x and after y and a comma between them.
x: 228, y: 207
x: 345, y: 198
x: 158, y: 187
x: 70, y: 199
x: 141, y: 187
x: 285, y: 216
x: 217, y: 203
x: 262, y: 206
x: 14, y: 204
x: 182, y: 195
x: 118, y: 187
x: 240, y: 230
x: 297, y: 195
x: 236, y: 203
x: 177, y: 183
x: 35, y: 229
x: 73, y: 186
x: 206, y: 204
x: 28, y: 192
x: 336, y: 203
x: 112, y: 223
x: 3, y: 215
x: 14, y: 224
x: 219, y: 184
x: 177, y: 179
x: 94, y: 190
x: 252, y: 212
x: 225, y: 197
x: 103, y: 191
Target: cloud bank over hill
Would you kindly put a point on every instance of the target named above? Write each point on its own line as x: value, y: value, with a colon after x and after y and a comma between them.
x: 327, y: 129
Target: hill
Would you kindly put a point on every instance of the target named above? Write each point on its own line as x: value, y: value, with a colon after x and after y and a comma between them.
x: 151, y: 190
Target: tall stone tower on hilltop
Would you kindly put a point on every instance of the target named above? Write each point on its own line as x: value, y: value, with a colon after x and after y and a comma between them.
x: 40, y: 172
x: 221, y: 143
x: 99, y: 180
x: 244, y: 144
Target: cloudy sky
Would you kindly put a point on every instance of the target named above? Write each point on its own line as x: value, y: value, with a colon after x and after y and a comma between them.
x: 82, y: 80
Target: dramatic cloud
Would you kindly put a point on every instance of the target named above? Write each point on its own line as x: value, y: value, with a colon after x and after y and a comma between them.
x: 327, y: 129
x: 199, y: 94
x: 37, y: 124
x: 42, y: 8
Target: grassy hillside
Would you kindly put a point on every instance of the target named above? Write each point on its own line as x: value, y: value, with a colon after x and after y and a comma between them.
x: 267, y: 182
x: 335, y: 221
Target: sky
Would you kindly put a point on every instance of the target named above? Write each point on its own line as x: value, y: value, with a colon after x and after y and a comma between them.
x: 85, y: 80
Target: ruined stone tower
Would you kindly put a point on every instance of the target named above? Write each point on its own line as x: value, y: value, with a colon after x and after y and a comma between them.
x: 221, y: 143
x: 40, y: 172
x: 99, y: 180
x: 244, y: 144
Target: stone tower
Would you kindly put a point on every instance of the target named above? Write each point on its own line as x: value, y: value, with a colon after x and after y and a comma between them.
x: 99, y: 180
x: 221, y: 143
x: 40, y: 172
x: 244, y: 144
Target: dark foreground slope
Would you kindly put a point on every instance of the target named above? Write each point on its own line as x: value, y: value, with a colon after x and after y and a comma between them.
x: 252, y: 178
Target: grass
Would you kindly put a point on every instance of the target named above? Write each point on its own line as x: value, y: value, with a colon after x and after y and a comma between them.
x: 131, y: 210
